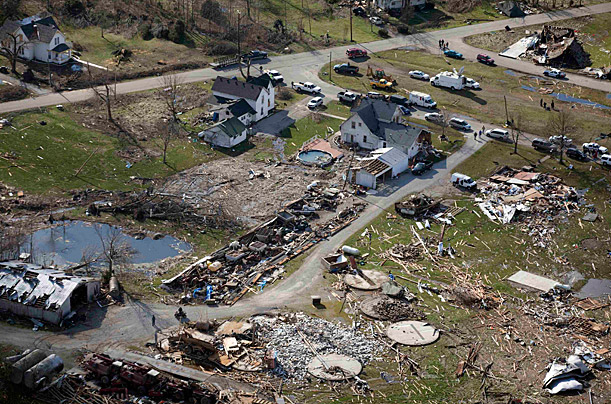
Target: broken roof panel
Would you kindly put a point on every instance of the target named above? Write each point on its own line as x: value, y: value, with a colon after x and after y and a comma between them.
x: 531, y: 281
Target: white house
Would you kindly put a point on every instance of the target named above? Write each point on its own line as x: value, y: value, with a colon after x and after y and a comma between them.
x: 239, y: 109
x: 378, y: 166
x: 38, y: 38
x: 398, y: 4
x: 227, y: 133
x: 258, y: 92
x: 375, y: 124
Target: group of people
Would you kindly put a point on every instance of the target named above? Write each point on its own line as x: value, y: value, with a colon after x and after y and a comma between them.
x: 481, y: 132
x: 443, y: 45
x: 543, y: 104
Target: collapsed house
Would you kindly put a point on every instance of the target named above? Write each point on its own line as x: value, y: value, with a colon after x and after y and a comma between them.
x: 511, y: 9
x: 43, y: 293
x: 560, y: 47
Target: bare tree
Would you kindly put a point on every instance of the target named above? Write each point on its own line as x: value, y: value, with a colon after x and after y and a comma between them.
x: 170, y: 92
x: 168, y: 131
x: 115, y: 248
x: 11, y: 49
x: 445, y: 121
x: 516, y: 130
x: 561, y: 124
x: 407, y: 14
x: 104, y: 94
x: 11, y: 240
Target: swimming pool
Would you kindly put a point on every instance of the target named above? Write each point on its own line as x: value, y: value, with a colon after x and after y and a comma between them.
x: 316, y: 157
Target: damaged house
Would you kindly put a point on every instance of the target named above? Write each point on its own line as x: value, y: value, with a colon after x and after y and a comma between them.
x: 380, y: 165
x: 561, y: 47
x: 375, y: 124
x: 43, y: 293
x: 227, y: 133
x: 259, y: 93
x: 511, y: 9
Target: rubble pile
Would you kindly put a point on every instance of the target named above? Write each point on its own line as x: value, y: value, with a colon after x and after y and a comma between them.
x: 396, y: 310
x: 405, y: 252
x: 256, y: 259
x: 469, y: 290
x: 293, y: 337
x: 534, y: 200
x: 417, y: 205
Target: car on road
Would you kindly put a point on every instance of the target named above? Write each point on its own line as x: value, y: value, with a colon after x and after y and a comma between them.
x: 499, y: 134
x: 422, y: 167
x: 470, y: 83
x: 347, y: 96
x: 555, y: 73
x: 255, y: 55
x: 418, y: 74
x: 605, y: 160
x: 276, y: 76
x: 398, y: 99
x: 346, y: 68
x: 594, y: 147
x: 434, y: 117
x: 544, y: 145
x: 353, y: 53
x: 315, y: 102
x: 559, y: 139
x: 376, y: 20
x: 452, y: 54
x: 576, y: 154
x: 485, y: 59
x: 460, y: 124
x: 375, y: 95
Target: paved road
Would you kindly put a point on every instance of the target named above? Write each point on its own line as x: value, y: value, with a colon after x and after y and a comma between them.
x: 305, y: 66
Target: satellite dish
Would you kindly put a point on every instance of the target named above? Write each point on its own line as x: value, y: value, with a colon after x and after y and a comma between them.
x: 462, y: 69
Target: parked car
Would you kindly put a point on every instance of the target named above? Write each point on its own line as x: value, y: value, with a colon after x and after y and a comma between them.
x: 306, y: 87
x: 276, y: 76
x: 605, y: 160
x: 576, y: 154
x: 422, y: 167
x: 434, y: 117
x: 555, y: 73
x: 375, y: 95
x: 346, y: 68
x: 255, y: 55
x: 359, y: 12
x: 462, y: 180
x: 404, y: 110
x: 376, y: 21
x: 594, y: 147
x: 353, y: 53
x: 460, y: 124
x: 398, y: 99
x: 558, y: 140
x: 417, y: 74
x: 500, y: 134
x: 470, y: 83
x: 452, y: 54
x: 485, y: 59
x: 544, y: 145
x: 347, y: 96
x: 315, y: 102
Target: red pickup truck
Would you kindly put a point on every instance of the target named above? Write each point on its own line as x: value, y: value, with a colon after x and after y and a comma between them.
x: 356, y: 53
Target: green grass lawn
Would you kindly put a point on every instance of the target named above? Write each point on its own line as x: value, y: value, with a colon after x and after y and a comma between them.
x: 40, y: 159
x: 487, y: 104
x: 306, y: 128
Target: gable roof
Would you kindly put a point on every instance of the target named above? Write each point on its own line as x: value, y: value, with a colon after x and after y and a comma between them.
x: 35, y: 28
x: 241, y: 108
x: 263, y: 80
x: 378, y: 110
x: 232, y: 127
x: 237, y: 88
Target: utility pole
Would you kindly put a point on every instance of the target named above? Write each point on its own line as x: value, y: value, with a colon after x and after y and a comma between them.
x: 239, y: 53
x: 330, y: 66
x: 286, y: 23
x: 506, y: 113
x: 351, y: 5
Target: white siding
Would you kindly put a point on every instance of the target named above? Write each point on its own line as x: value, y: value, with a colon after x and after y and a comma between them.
x: 217, y: 137
x: 366, y: 179
x: 360, y: 134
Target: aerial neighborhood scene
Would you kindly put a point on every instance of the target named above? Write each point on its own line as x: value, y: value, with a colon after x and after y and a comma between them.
x: 305, y: 201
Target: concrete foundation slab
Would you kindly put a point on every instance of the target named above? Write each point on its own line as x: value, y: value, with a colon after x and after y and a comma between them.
x: 334, y: 367
x: 373, y: 280
x: 412, y: 333
x: 530, y: 281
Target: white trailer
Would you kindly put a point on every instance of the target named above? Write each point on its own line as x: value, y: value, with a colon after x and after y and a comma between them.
x: 454, y: 80
x: 421, y: 99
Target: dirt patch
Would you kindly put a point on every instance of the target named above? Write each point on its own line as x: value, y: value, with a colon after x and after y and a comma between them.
x: 591, y: 244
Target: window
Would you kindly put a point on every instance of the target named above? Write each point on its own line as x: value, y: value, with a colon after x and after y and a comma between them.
x: 364, y: 139
x: 353, y: 125
x: 261, y: 110
x: 57, y: 41
x: 351, y: 138
x: 360, y: 124
x: 268, y: 103
x: 384, y: 144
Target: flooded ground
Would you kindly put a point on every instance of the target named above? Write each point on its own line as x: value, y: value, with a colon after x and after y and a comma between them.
x: 65, y: 244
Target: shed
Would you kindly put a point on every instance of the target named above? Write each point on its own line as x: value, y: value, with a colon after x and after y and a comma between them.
x: 382, y: 164
x: 227, y: 133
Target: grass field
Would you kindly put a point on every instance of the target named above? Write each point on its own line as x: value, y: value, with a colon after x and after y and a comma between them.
x: 306, y: 128
x: 487, y: 104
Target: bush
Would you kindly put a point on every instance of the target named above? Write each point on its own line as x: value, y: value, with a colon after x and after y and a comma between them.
x: 212, y: 10
x: 383, y: 32
x: 12, y: 93
x: 177, y: 32
x: 74, y: 7
x: 160, y: 31
x: 223, y: 48
x: 403, y: 29
x: 285, y: 94
x: 144, y: 30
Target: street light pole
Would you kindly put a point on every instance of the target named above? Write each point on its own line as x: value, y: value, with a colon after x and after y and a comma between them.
x: 330, y: 66
x: 239, y: 14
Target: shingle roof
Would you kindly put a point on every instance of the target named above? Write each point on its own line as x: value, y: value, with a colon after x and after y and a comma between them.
x: 237, y: 88
x: 240, y: 108
x: 60, y: 48
x: 44, y: 32
x: 233, y: 127
x: 262, y: 80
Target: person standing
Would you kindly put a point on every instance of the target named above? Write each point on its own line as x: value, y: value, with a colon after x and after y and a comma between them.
x: 153, y: 320
x: 541, y: 102
x: 552, y: 104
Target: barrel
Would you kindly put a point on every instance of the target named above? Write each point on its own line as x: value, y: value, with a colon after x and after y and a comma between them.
x: 114, y: 288
x: 25, y: 363
x: 51, y: 364
x: 350, y: 250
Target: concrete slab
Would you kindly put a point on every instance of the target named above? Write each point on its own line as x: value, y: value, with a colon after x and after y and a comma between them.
x: 530, y: 281
x: 412, y: 333
x: 334, y: 367
x: 373, y: 280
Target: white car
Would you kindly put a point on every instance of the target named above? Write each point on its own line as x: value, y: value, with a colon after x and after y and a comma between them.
x: 376, y: 96
x: 315, y: 102
x: 556, y: 73
x: 500, y: 134
x: 472, y: 84
x: 558, y: 140
x: 417, y: 74
x: 460, y: 124
x: 376, y: 20
x: 275, y: 74
x: 594, y: 147
x: 434, y: 117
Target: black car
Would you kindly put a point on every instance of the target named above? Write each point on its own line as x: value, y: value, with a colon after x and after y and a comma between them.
x: 254, y: 55
x: 346, y: 68
x: 422, y: 167
x: 399, y: 99
x: 576, y: 154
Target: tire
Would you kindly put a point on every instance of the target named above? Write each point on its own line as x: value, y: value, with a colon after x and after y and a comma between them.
x: 453, y: 88
x: 105, y: 380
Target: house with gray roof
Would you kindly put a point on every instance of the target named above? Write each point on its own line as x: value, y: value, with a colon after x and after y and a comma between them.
x: 259, y: 94
x: 227, y: 133
x: 377, y: 124
x: 36, y: 38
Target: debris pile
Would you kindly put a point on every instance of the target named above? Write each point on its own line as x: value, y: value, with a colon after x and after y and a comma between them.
x: 297, y: 338
x: 416, y: 205
x: 469, y: 290
x: 535, y: 200
x: 397, y: 310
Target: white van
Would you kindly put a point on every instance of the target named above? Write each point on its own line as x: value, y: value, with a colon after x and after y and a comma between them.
x: 605, y: 160
x: 464, y: 181
x: 421, y: 99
